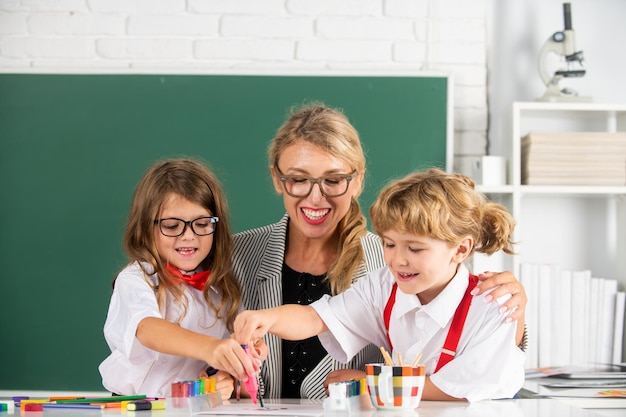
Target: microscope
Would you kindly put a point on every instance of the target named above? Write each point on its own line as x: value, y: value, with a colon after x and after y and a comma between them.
x: 562, y: 43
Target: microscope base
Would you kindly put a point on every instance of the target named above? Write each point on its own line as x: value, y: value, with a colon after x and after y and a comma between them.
x: 555, y: 94
x: 561, y: 98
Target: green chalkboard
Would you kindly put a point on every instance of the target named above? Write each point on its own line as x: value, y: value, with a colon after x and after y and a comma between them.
x: 73, y: 147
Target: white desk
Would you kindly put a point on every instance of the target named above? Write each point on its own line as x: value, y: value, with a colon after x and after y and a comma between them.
x: 609, y: 407
x: 498, y: 408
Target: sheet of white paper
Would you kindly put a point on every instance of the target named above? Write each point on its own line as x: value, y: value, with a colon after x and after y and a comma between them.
x: 270, y: 409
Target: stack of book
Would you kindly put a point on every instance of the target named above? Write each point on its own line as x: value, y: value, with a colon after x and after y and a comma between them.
x: 574, y: 158
x: 572, y: 317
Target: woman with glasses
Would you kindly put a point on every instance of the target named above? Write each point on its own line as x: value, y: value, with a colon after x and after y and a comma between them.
x: 320, y: 246
x: 173, y: 306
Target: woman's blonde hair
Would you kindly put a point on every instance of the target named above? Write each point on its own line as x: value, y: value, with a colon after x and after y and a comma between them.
x: 330, y: 130
x: 193, y: 181
x: 445, y: 207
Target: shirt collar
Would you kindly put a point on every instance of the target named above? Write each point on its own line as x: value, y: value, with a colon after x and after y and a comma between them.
x: 442, y: 307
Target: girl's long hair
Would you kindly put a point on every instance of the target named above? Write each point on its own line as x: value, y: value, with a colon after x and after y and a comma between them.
x: 193, y: 181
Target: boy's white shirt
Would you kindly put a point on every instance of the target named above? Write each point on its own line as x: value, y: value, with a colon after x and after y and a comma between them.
x: 488, y: 364
x: 132, y: 368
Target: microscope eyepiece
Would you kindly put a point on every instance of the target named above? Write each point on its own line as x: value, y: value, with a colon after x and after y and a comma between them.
x: 567, y: 15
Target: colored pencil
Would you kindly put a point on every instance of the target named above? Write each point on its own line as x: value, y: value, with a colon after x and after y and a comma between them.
x: 388, y: 360
x: 66, y: 397
x: 78, y: 405
x: 417, y: 360
x: 112, y: 398
x: 111, y: 405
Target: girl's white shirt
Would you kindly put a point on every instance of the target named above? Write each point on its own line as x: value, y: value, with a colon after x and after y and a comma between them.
x: 132, y: 368
x: 488, y: 364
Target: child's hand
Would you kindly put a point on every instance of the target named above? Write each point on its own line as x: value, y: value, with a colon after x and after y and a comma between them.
x: 340, y: 375
x: 224, y: 384
x: 260, y: 350
x: 228, y: 355
x: 252, y: 325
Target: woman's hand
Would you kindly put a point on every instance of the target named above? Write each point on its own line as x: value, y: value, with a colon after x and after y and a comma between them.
x: 515, y: 306
x: 507, y: 284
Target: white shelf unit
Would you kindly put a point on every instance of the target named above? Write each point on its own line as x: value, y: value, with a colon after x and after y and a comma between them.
x: 576, y: 227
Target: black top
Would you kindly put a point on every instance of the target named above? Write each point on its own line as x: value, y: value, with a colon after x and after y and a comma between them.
x: 300, y: 357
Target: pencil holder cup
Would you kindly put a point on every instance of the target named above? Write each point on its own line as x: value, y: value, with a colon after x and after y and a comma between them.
x: 395, y: 387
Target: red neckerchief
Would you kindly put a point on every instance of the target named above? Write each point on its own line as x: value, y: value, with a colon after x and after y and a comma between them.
x: 456, y: 328
x: 197, y: 280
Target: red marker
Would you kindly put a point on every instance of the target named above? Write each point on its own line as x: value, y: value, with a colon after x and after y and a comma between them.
x: 33, y: 407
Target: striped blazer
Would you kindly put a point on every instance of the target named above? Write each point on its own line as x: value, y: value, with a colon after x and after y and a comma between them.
x: 258, y: 262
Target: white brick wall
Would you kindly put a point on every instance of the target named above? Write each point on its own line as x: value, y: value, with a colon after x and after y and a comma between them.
x: 260, y: 35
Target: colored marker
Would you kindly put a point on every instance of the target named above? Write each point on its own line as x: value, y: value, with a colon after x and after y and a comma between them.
x: 146, y: 405
x: 209, y: 385
x: 18, y: 399
x: 7, y: 405
x: 252, y: 384
x: 25, y: 404
x: 32, y: 407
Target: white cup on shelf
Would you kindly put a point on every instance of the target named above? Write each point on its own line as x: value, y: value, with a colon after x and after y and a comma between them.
x: 489, y: 170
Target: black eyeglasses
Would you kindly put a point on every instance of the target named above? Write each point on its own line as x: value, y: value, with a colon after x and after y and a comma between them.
x: 300, y: 186
x: 173, y: 227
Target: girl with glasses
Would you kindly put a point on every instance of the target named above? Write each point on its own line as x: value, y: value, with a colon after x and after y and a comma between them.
x: 320, y: 246
x: 173, y: 306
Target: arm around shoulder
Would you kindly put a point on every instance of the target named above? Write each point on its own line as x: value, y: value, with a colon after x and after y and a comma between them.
x: 505, y: 283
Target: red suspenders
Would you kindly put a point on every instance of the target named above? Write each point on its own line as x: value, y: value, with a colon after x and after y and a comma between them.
x: 456, y: 328
x: 387, y: 313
